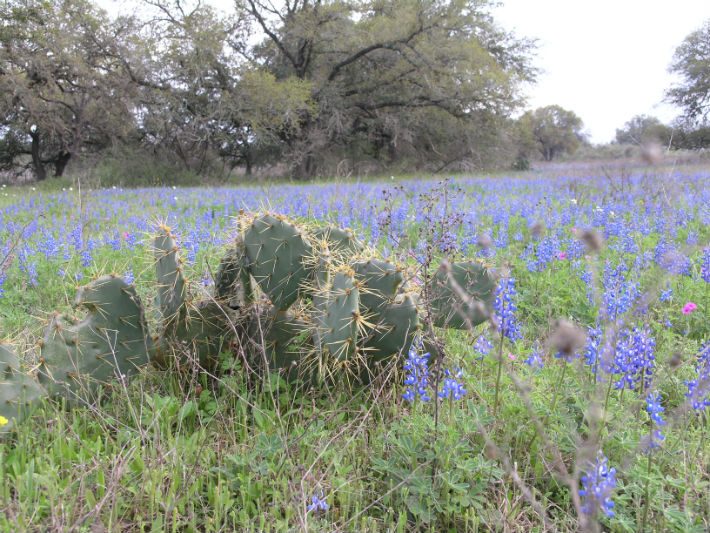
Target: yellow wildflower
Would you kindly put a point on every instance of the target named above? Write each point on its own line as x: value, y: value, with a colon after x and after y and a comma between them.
x: 3, y: 421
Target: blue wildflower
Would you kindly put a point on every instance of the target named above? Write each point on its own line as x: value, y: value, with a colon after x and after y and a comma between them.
x: 705, y: 266
x: 535, y: 359
x: 633, y: 359
x: 318, y: 503
x: 620, y: 293
x: 699, y: 389
x: 505, y: 309
x: 451, y: 387
x: 482, y: 346
x: 654, y: 410
x: 417, y: 377
x: 598, y: 484
x: 666, y: 294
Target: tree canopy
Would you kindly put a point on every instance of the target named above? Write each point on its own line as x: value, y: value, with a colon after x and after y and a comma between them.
x: 643, y: 129
x: 312, y: 85
x: 691, y: 63
x: 550, y: 131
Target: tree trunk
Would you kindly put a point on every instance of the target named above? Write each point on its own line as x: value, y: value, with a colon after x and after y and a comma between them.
x: 40, y: 171
x: 305, y: 168
x: 60, y: 163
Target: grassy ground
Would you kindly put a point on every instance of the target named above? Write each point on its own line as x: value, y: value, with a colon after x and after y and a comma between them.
x: 230, y: 451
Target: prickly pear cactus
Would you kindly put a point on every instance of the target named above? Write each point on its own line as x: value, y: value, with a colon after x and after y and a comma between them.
x: 19, y: 393
x: 379, y: 281
x: 394, y: 332
x: 342, y: 320
x: 454, y: 280
x: 278, y: 253
x: 283, y: 334
x: 320, y: 294
x: 171, y: 280
x: 202, y: 335
x: 233, y: 281
x: 111, y: 342
x: 341, y: 242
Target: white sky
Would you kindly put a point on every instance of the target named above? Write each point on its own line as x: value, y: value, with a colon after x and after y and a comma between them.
x: 606, y: 60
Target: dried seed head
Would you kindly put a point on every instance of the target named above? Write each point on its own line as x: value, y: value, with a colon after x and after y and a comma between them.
x: 676, y: 360
x: 537, y: 229
x: 567, y: 338
x: 592, y: 239
x: 484, y: 241
x: 652, y: 153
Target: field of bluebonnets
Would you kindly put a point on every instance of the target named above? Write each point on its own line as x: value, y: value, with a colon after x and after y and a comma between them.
x: 533, y: 429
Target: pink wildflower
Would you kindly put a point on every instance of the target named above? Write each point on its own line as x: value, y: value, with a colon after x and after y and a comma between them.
x: 689, y: 308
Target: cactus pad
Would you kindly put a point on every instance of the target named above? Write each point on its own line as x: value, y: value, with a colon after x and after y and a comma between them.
x: 112, y: 341
x: 380, y: 281
x: 341, y: 319
x: 171, y: 280
x: 19, y: 393
x: 233, y: 281
x: 277, y: 251
x: 340, y: 241
x: 395, y: 331
x: 199, y: 338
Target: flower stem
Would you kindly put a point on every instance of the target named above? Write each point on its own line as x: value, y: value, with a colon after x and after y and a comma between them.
x: 500, y: 371
x: 647, y: 501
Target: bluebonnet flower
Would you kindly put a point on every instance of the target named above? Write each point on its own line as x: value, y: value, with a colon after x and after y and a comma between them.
x: 586, y: 277
x: 705, y: 266
x: 318, y: 503
x: 86, y: 258
x: 31, y: 269
x: 699, y: 389
x: 666, y: 294
x: 575, y: 249
x: 633, y: 359
x: 692, y: 238
x: 482, y: 346
x: 128, y: 277
x: 676, y: 263
x: 2, y: 282
x: 591, y: 351
x: 115, y: 241
x: 620, y: 293
x: 451, y: 387
x: 535, y: 359
x: 598, y: 484
x: 76, y: 237
x: 417, y: 377
x: 655, y: 410
x: 48, y: 245
x: 501, y: 240
x: 546, y: 252
x: 661, y: 249
x: 505, y: 309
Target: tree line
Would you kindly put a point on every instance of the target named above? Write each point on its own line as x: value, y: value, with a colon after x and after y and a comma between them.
x: 305, y: 87
x: 308, y: 84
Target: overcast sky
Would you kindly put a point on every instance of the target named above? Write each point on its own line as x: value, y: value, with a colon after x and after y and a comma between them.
x: 607, y: 60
